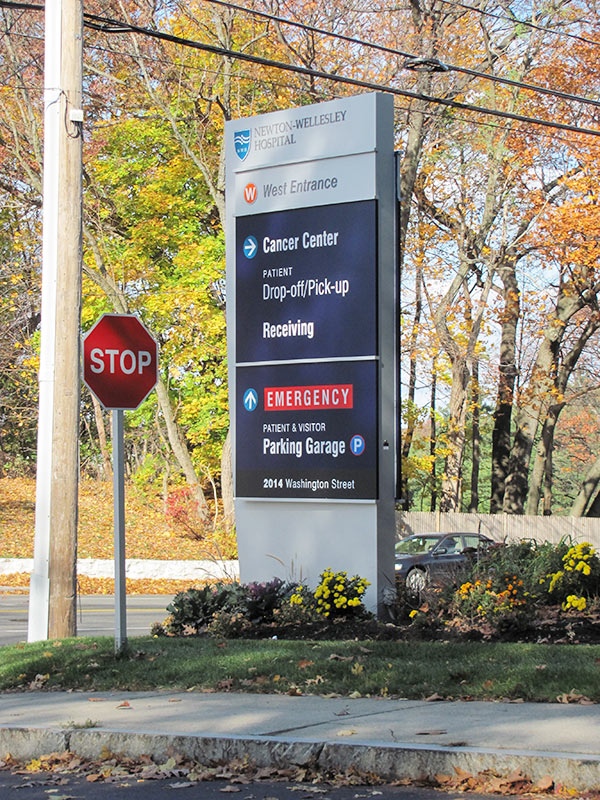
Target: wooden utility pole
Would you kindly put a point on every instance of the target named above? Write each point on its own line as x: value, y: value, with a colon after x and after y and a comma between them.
x: 52, y: 603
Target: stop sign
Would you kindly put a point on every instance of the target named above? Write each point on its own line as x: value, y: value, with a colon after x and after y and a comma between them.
x: 120, y: 361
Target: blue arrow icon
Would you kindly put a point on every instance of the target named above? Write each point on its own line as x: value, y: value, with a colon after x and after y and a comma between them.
x: 250, y: 247
x: 250, y: 399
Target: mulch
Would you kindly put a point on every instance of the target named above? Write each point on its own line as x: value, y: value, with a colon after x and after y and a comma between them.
x: 551, y: 625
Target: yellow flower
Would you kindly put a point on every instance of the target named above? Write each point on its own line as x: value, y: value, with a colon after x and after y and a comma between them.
x: 573, y: 601
x: 413, y: 613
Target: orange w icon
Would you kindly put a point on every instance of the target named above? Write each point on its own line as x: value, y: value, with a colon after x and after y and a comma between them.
x: 250, y: 192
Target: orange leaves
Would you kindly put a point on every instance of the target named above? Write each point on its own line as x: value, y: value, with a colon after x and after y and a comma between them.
x: 149, y: 535
x: 515, y: 783
x: 88, y: 585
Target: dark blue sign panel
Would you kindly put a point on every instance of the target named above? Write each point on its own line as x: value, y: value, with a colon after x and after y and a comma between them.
x: 306, y: 283
x: 307, y: 430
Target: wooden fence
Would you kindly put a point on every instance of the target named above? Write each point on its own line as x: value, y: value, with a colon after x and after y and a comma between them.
x: 502, y: 527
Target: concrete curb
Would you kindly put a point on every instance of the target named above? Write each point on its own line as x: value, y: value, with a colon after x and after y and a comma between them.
x: 387, y: 761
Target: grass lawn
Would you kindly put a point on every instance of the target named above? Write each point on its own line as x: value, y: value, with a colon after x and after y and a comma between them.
x: 415, y: 670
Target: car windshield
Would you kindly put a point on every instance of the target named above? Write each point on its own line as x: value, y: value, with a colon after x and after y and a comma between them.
x: 416, y: 545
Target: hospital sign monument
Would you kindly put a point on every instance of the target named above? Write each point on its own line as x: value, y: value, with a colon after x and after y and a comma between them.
x: 311, y: 340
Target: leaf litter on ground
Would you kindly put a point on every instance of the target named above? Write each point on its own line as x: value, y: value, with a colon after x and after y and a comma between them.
x: 111, y: 768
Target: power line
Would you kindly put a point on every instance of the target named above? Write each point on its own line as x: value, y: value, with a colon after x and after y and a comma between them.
x: 116, y: 26
x: 523, y: 22
x: 393, y: 51
x: 280, y: 84
x: 442, y: 66
x: 108, y: 25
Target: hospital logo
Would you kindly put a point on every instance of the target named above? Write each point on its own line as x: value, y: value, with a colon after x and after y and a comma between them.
x: 241, y: 141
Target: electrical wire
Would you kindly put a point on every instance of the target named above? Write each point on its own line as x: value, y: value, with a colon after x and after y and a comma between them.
x: 108, y: 25
x: 523, y: 22
x: 116, y: 26
x: 410, y: 56
x: 382, y: 48
x: 252, y: 78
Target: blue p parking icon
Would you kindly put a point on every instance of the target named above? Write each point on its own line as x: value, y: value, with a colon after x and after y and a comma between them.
x: 357, y: 445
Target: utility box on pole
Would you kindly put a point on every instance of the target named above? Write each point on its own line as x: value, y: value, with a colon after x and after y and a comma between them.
x: 311, y: 340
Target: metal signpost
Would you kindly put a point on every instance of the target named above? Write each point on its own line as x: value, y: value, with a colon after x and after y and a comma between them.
x: 120, y: 366
x: 311, y: 339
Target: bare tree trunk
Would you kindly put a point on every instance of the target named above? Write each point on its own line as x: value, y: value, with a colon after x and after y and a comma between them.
x: 476, y: 439
x: 411, y: 415
x: 542, y: 466
x: 450, y: 500
x: 548, y: 478
x: 101, y: 429
x: 227, y: 484
x: 536, y: 403
x: 506, y: 385
x: 588, y: 487
x: 593, y: 510
x: 541, y: 462
x: 433, y: 434
x: 180, y: 450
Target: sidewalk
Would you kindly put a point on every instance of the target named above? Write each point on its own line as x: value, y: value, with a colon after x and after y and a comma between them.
x: 392, y: 738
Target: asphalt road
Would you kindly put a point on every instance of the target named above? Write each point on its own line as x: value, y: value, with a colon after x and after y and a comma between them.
x: 36, y: 786
x: 95, y: 615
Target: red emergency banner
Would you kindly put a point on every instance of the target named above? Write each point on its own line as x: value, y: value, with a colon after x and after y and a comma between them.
x: 305, y: 398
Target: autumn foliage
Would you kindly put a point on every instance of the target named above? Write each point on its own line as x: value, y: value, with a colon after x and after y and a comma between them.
x: 498, y: 225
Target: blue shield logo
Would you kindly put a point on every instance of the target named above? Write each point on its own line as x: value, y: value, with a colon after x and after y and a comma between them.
x: 241, y: 140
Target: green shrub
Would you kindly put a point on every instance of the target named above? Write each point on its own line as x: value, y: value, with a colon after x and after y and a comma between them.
x: 229, y: 624
x: 193, y: 610
x: 298, y: 608
x: 262, y: 599
x: 500, y: 601
x: 523, y: 564
x: 227, y: 603
x: 505, y: 587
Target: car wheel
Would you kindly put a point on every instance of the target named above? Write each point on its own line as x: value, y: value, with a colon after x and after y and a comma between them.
x: 416, y: 581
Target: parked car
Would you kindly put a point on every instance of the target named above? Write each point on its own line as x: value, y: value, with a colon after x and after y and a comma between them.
x: 436, y: 558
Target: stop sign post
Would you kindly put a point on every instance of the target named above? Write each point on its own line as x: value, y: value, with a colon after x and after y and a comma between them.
x: 120, y: 366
